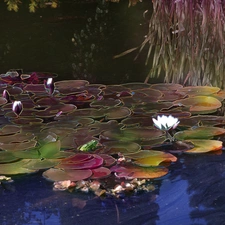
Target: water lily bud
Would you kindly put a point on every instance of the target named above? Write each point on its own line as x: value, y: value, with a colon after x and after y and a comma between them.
x: 6, y: 95
x: 49, y: 86
x: 17, y: 107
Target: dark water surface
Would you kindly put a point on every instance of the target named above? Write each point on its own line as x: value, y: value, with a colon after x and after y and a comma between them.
x: 192, y: 193
x: 77, y: 40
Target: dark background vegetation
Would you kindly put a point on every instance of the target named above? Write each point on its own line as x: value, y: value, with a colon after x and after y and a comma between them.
x: 77, y: 40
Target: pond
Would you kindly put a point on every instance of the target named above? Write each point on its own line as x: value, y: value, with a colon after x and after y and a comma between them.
x: 69, y: 41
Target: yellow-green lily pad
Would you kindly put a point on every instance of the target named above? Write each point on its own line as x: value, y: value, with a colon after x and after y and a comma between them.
x: 148, y: 158
x: 203, y: 146
x: 199, y: 133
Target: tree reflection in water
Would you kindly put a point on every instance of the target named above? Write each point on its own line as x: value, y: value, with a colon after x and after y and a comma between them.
x: 30, y: 200
x: 193, y: 193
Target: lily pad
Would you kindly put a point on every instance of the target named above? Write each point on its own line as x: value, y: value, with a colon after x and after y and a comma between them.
x: 148, y: 158
x: 54, y: 174
x: 50, y: 150
x: 123, y: 147
x: 200, y: 104
x: 202, y: 146
x: 199, y: 133
x: 15, y: 168
x: 101, y: 172
x: 130, y: 171
x: 72, y: 163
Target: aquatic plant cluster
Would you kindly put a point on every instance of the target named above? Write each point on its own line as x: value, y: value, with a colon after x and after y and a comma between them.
x: 104, y: 138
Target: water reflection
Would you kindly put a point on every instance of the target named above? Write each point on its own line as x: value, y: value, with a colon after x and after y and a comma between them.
x: 77, y: 40
x: 193, y: 193
x: 30, y: 200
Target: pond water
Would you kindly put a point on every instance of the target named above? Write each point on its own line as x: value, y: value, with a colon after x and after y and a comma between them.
x: 191, y: 193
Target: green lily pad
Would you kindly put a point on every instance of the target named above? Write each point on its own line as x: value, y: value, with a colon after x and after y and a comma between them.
x: 7, y: 157
x: 50, y: 150
x: 9, y: 130
x: 202, y: 146
x: 38, y: 164
x: 199, y: 133
x: 15, y: 168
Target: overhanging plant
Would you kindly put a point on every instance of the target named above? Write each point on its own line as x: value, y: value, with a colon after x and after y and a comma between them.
x: 186, y: 41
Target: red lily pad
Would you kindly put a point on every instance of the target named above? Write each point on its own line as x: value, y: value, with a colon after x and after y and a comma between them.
x: 101, y: 172
x: 54, y: 174
x: 7, y: 157
x: 108, y: 160
x: 130, y: 171
x: 72, y: 163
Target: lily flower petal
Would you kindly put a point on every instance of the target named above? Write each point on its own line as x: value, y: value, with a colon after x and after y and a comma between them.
x: 17, y: 107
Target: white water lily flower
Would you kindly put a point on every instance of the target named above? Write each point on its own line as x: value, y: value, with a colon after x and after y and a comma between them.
x: 166, y: 122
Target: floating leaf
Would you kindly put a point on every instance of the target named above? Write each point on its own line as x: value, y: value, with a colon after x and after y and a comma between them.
x: 15, y: 168
x: 9, y: 130
x: 18, y: 146
x: 123, y: 147
x: 202, y: 146
x: 50, y: 150
x: 54, y: 174
x: 200, y: 104
x: 199, y: 133
x: 199, y: 90
x: 73, y: 163
x: 131, y: 171
x: 148, y: 158
x: 108, y: 160
x: 7, y: 157
x: 38, y: 164
x: 100, y: 173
